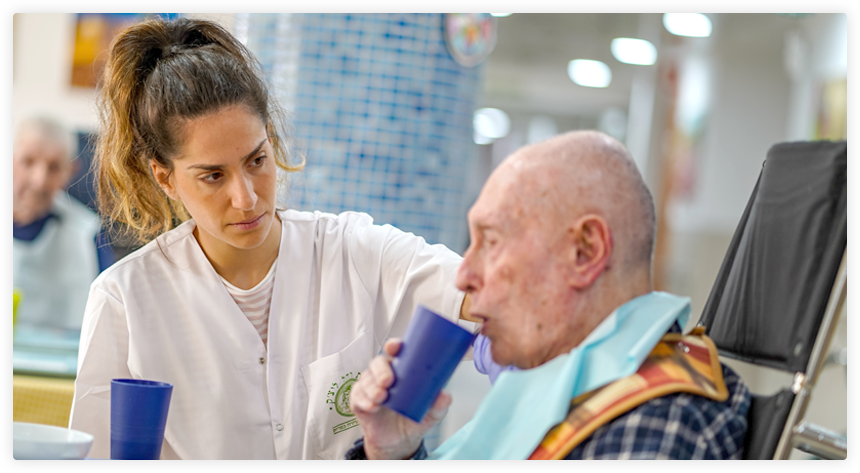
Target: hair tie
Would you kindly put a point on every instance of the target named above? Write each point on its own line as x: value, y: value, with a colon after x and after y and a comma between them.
x: 169, y: 51
x: 153, y: 56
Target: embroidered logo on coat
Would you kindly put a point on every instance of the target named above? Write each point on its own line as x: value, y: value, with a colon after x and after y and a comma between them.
x: 337, y: 399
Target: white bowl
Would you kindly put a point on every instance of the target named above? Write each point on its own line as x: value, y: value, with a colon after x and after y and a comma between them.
x: 47, y: 442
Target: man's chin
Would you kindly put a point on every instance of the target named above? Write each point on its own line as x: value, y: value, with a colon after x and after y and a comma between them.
x: 500, y: 357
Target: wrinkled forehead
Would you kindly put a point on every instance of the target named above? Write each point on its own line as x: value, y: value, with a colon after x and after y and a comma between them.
x: 504, y: 199
x: 533, y: 189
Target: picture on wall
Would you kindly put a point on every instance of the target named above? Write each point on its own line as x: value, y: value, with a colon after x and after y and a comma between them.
x: 93, y: 34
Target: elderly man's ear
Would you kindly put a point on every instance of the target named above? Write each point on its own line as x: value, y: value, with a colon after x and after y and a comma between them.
x: 590, y: 248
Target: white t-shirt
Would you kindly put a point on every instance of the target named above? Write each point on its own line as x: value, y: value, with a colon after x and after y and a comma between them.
x: 342, y: 286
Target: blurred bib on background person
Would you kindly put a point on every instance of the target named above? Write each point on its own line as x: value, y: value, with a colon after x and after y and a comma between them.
x: 54, y: 271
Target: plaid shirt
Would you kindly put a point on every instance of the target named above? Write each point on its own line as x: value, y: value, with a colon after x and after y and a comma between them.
x: 677, y: 426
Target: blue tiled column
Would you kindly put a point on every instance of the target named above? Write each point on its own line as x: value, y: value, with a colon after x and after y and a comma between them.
x: 382, y: 113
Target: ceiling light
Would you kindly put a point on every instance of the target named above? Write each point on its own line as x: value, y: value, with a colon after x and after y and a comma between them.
x: 588, y: 73
x: 687, y: 24
x: 481, y: 139
x: 491, y: 123
x: 500, y: 15
x: 634, y: 51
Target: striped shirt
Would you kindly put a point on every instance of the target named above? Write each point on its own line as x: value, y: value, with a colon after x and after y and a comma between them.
x: 255, y: 302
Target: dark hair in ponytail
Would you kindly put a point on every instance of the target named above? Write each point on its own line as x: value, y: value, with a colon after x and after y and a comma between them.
x: 159, y: 75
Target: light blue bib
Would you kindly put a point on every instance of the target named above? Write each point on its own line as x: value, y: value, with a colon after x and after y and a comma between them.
x: 523, y: 405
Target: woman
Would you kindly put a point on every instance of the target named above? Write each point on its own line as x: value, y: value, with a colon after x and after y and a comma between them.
x: 261, y: 318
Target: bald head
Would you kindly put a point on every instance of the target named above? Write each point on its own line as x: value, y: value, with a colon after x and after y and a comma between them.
x: 584, y: 172
x: 561, y: 235
x: 41, y: 166
x: 47, y: 130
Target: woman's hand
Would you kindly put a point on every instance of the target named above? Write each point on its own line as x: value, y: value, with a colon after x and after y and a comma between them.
x: 387, y: 434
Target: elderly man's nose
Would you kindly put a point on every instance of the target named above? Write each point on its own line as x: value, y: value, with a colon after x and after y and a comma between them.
x: 467, y: 280
x: 39, y: 177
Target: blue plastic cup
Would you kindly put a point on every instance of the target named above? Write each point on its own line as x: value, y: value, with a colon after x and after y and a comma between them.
x: 432, y: 348
x: 138, y: 414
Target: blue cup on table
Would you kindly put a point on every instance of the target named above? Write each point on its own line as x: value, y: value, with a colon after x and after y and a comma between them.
x: 138, y: 414
x: 432, y: 347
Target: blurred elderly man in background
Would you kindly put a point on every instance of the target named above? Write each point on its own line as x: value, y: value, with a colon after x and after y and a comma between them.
x: 559, y: 272
x: 56, y: 249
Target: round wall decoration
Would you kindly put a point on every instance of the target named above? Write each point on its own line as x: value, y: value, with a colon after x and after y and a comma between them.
x: 470, y: 37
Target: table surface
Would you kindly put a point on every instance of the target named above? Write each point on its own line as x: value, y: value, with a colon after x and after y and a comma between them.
x: 42, y: 400
x: 45, y: 351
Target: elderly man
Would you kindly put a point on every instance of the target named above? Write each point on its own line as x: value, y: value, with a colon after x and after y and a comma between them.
x: 559, y: 272
x: 56, y: 249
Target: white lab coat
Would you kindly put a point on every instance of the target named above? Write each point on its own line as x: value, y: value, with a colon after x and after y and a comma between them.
x: 342, y: 286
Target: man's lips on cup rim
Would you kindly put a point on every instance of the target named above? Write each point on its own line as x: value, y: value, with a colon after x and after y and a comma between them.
x: 478, y: 315
x: 482, y: 320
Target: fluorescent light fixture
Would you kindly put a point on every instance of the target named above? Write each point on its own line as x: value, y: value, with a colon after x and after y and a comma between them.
x: 500, y: 15
x: 693, y: 100
x: 687, y: 24
x: 634, y: 51
x: 588, y: 73
x: 491, y: 123
x: 481, y: 139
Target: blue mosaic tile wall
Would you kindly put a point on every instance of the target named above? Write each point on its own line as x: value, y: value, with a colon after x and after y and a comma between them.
x: 381, y: 111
